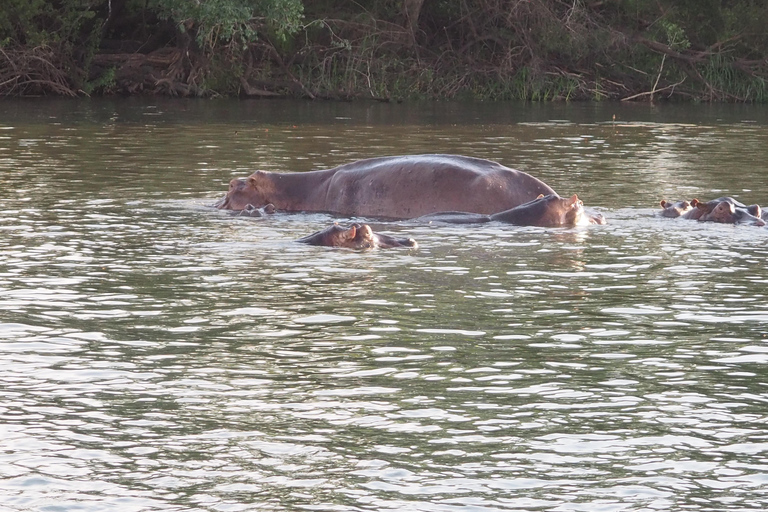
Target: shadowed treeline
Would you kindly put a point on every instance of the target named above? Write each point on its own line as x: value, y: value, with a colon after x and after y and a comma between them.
x: 389, y: 50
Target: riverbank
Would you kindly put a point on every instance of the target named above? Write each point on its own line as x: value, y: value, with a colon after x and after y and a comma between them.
x: 498, y: 51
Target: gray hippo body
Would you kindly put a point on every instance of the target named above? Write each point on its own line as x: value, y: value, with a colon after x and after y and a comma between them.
x: 397, y: 187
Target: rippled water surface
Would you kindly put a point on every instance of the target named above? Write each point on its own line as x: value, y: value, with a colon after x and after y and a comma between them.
x: 160, y: 355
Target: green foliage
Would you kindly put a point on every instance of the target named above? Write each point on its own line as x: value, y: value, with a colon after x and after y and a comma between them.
x: 726, y: 80
x: 18, y: 21
x: 539, y: 50
x: 675, y: 36
x: 217, y: 22
x: 103, y: 84
x: 283, y: 17
x: 45, y: 22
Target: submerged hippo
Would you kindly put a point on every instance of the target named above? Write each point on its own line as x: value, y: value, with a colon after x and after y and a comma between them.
x: 398, y: 187
x: 549, y: 210
x: 725, y: 210
x: 674, y: 209
x: 252, y: 211
x: 356, y: 236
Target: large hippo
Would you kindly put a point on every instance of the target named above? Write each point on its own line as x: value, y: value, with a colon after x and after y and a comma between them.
x: 356, y: 236
x: 544, y: 211
x: 397, y: 187
x: 725, y: 210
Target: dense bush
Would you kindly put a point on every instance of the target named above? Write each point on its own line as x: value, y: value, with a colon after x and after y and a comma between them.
x: 710, y: 50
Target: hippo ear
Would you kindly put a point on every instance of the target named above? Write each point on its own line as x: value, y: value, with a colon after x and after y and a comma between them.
x: 695, y: 202
x: 574, y: 199
x: 663, y: 203
x: 539, y: 196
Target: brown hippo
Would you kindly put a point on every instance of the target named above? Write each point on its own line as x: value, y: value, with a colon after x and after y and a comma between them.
x: 397, y: 187
x: 544, y: 211
x: 356, y: 236
x: 726, y: 210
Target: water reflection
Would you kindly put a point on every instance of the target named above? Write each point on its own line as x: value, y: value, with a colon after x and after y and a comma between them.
x: 160, y: 355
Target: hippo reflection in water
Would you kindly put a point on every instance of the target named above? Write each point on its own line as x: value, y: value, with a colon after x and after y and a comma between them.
x: 724, y: 210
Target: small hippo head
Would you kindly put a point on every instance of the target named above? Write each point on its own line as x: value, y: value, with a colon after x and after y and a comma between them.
x: 356, y: 236
x: 675, y: 209
x: 359, y: 236
x: 363, y: 237
x: 548, y: 212
x: 243, y: 192
x: 252, y: 211
x: 559, y: 211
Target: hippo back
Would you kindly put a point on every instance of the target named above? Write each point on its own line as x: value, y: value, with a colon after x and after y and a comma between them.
x: 411, y: 186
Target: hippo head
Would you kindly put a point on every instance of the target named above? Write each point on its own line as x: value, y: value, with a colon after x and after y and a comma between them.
x: 549, y: 211
x: 244, y: 192
x: 559, y: 211
x: 353, y: 237
x: 356, y: 236
x: 677, y: 208
x: 726, y: 212
x: 361, y: 236
x: 252, y: 211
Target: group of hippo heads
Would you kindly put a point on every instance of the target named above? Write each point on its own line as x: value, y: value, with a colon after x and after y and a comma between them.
x: 432, y: 189
x: 422, y: 188
x: 725, y: 210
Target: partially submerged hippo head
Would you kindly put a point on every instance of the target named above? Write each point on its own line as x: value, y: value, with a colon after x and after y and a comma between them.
x: 564, y: 212
x: 356, y: 236
x: 550, y: 211
x: 726, y: 212
x: 252, y: 211
x: 676, y: 208
x: 244, y: 192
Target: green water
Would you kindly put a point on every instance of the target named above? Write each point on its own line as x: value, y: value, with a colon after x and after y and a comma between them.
x: 156, y: 354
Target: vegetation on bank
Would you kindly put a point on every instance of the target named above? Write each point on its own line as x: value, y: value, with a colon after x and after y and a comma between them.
x: 390, y: 50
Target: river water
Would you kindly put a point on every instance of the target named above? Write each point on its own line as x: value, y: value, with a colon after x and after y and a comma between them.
x: 160, y: 355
